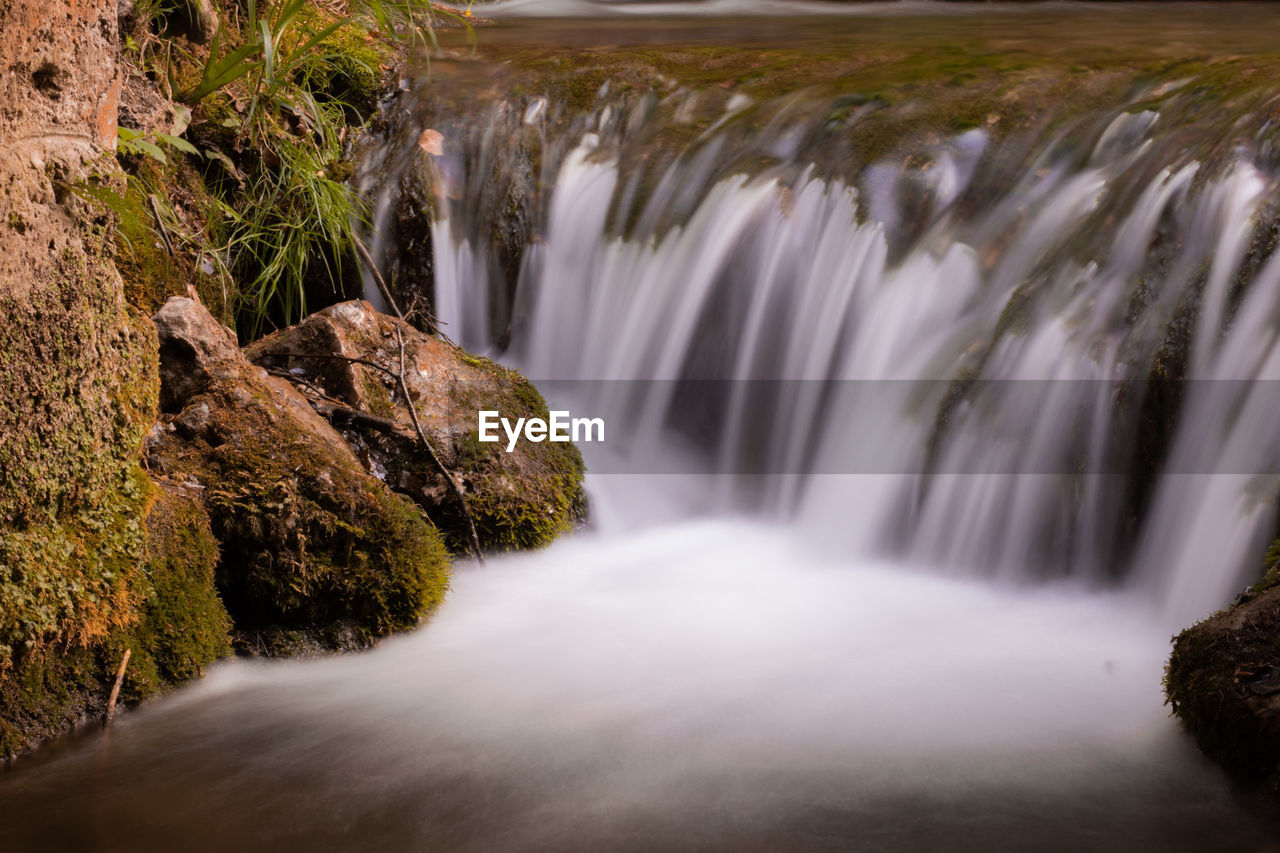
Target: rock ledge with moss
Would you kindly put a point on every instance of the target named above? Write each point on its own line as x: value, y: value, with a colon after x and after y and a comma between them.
x: 1223, y: 683
x: 334, y: 527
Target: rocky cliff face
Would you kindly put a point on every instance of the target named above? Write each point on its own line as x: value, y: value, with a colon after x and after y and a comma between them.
x: 77, y: 373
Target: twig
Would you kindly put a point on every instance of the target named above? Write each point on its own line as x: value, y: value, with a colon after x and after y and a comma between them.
x: 432, y: 321
x: 381, y: 424
x: 305, y: 383
x: 435, y: 460
x: 363, y: 251
x: 336, y: 411
x: 164, y: 232
x: 115, y: 690
x: 343, y: 415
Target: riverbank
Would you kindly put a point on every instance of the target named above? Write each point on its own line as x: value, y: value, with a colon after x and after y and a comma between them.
x: 163, y: 500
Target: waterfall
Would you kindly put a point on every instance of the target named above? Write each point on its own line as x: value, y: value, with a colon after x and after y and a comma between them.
x: 1024, y: 363
x: 920, y: 445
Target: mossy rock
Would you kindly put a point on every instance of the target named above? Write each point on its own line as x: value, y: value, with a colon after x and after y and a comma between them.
x: 78, y: 373
x: 519, y: 500
x: 1223, y: 683
x: 173, y: 627
x: 309, y: 539
x: 50, y: 690
x: 310, y: 542
x: 78, y: 376
x: 184, y: 626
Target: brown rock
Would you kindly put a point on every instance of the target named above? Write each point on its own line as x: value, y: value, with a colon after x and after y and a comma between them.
x: 1223, y: 682
x: 195, y: 349
x: 312, y: 545
x: 522, y: 499
x: 77, y: 373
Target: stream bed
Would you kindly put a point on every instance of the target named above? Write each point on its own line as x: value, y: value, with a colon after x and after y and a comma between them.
x: 705, y: 686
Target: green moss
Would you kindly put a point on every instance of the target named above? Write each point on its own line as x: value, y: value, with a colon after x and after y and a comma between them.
x: 49, y: 690
x: 184, y: 625
x: 170, y: 620
x: 515, y: 507
x: 352, y: 68
x: 309, y: 540
x: 152, y: 274
x: 377, y: 396
x: 471, y: 453
x: 78, y: 373
x: 73, y: 579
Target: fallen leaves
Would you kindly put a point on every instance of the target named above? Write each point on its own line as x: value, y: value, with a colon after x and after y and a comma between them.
x: 432, y: 142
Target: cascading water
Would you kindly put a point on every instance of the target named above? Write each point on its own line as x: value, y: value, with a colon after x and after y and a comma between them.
x: 960, y: 384
x: 914, y: 461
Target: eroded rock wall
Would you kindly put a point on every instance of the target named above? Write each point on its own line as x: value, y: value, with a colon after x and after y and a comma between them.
x: 78, y: 376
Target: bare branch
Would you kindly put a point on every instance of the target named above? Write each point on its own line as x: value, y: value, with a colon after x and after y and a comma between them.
x: 115, y: 689
x: 363, y: 251
x: 435, y: 460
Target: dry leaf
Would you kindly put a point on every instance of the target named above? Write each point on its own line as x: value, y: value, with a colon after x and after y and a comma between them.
x: 432, y: 142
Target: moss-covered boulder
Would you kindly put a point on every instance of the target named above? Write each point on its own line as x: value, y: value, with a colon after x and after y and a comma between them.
x: 173, y: 627
x: 1223, y: 682
x: 314, y: 550
x: 184, y: 625
x: 521, y: 499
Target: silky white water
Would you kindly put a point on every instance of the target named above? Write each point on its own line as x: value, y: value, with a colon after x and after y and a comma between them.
x: 700, y: 685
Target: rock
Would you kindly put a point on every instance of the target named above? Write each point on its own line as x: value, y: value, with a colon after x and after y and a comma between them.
x: 142, y: 107
x: 311, y: 544
x: 195, y: 350
x: 1223, y: 682
x: 522, y: 499
x: 176, y: 628
x: 77, y: 375
x: 184, y: 625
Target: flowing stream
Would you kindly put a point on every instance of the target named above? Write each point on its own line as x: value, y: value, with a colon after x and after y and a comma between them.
x: 914, y: 463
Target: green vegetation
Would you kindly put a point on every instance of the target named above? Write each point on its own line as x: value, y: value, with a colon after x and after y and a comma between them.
x: 184, y: 624
x: 265, y: 121
x: 80, y: 400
